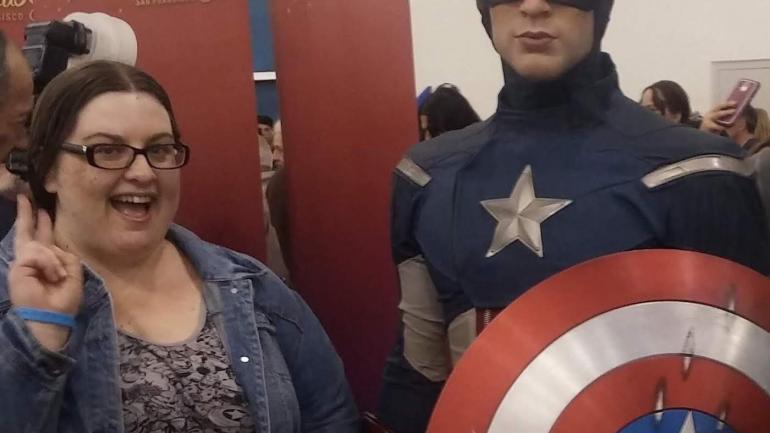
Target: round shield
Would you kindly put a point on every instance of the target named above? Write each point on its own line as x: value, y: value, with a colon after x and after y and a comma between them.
x: 653, y: 341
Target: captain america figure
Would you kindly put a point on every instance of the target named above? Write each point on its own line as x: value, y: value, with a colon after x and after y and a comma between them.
x: 567, y: 169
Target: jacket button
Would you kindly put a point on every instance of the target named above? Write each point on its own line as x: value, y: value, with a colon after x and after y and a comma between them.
x: 233, y: 291
x: 244, y: 359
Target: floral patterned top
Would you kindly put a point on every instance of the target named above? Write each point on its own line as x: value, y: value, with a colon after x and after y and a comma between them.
x: 186, y: 387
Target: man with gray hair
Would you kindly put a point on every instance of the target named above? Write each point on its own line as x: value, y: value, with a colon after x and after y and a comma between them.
x: 16, y: 96
x: 16, y: 101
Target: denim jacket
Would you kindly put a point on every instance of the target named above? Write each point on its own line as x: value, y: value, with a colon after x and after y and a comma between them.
x: 280, y: 355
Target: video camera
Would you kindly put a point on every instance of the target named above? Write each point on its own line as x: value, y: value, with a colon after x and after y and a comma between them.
x: 51, y: 47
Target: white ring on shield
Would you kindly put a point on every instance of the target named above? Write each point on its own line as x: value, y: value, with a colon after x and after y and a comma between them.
x: 613, y: 339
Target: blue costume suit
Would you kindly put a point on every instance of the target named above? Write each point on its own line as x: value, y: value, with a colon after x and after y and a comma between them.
x: 562, y: 173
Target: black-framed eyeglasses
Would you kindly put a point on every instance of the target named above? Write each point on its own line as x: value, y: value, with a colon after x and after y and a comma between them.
x: 109, y: 156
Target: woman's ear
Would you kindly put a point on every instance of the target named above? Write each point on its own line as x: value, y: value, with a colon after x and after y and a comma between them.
x: 51, y: 181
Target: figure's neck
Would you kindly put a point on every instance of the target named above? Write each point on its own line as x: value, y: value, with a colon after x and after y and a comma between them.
x: 592, y: 78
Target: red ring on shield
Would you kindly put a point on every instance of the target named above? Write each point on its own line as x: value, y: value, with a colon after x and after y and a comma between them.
x: 610, y: 404
x: 519, y: 334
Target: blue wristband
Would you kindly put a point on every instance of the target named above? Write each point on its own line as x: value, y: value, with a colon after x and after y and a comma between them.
x: 46, y: 316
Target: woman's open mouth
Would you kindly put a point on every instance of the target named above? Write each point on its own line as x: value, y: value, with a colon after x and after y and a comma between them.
x: 135, y: 207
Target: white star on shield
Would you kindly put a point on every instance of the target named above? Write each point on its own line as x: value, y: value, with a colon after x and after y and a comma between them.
x: 689, y: 424
x: 520, y: 215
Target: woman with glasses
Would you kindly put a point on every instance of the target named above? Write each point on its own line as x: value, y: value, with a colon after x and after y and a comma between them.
x: 114, y: 319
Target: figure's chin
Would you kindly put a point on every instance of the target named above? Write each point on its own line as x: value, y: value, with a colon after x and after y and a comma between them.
x: 539, y: 68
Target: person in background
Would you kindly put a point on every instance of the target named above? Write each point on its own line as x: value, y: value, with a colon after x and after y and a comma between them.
x: 115, y: 319
x: 278, y: 158
x: 446, y: 109
x: 668, y: 99
x: 761, y: 157
x: 762, y: 131
x: 265, y: 156
x: 16, y: 97
x: 16, y: 100
x: 741, y: 132
x: 422, y: 121
x: 265, y: 124
x: 277, y: 197
x: 275, y: 257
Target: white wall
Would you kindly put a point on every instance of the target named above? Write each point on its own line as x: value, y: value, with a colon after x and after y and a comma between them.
x: 649, y: 40
x: 652, y: 40
x: 450, y: 46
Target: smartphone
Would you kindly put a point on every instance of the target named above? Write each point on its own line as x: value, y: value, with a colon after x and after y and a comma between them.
x: 741, y: 95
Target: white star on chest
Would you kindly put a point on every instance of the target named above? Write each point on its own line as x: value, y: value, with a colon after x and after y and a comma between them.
x: 520, y: 215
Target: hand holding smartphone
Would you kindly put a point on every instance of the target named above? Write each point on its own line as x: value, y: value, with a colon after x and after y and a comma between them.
x: 742, y: 95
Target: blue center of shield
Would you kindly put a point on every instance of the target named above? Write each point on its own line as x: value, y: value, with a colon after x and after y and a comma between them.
x: 678, y: 421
